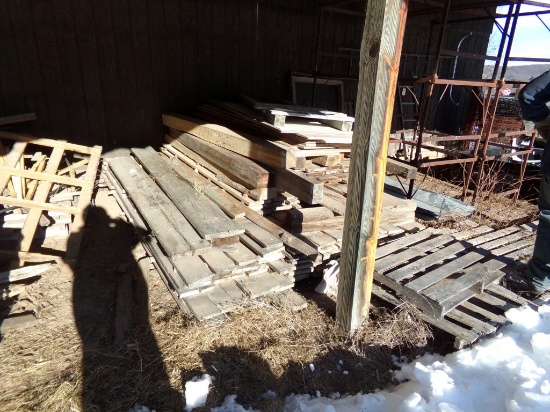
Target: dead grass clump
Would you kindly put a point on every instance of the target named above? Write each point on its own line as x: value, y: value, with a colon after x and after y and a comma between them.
x: 258, y: 349
x: 265, y: 348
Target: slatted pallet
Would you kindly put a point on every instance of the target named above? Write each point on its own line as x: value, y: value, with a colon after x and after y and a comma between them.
x: 437, y: 272
x: 452, y: 278
x: 479, y: 316
x: 30, y: 186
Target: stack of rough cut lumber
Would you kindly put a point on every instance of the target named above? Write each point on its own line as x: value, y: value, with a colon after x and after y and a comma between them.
x: 212, y: 251
x: 285, y: 171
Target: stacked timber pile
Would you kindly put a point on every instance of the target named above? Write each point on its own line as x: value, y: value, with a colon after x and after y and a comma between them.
x: 294, y: 170
x: 213, y: 252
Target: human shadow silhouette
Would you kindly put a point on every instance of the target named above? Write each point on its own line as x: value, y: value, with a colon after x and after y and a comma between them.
x: 115, y: 375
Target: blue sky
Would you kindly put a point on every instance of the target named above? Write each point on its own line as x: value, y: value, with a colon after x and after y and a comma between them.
x: 532, y: 39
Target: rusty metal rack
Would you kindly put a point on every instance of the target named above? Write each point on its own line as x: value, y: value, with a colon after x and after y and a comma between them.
x: 426, y: 84
x: 491, y: 92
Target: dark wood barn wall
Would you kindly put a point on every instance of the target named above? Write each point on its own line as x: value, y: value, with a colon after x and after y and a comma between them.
x: 103, y: 71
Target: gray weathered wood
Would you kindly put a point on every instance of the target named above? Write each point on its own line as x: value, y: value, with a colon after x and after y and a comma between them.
x: 207, y: 219
x: 217, y: 261
x: 306, y: 189
x: 261, y: 236
x: 156, y: 208
x: 194, y: 272
x: 404, y: 170
x: 241, y: 168
x: 23, y: 273
x: 402, y: 243
x: 123, y: 313
x: 391, y: 261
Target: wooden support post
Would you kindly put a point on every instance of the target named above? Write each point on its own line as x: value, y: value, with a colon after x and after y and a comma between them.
x: 379, y: 66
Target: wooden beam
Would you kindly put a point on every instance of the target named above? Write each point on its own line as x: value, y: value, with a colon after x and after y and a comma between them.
x: 253, y: 148
x: 242, y: 169
x: 305, y: 188
x: 379, y: 66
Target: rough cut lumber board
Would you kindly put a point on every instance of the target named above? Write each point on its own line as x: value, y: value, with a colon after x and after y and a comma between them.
x: 207, y: 218
x: 23, y: 273
x: 255, y: 286
x: 194, y: 272
x: 18, y: 118
x: 217, y: 261
x: 247, y: 146
x: 388, y: 262
x: 309, y: 214
x: 229, y: 207
x: 402, y: 243
x: 333, y: 223
x: 261, y: 236
x: 240, y: 168
x: 202, y: 307
x: 240, y: 254
x: 404, y: 170
x: 306, y: 189
x: 164, y: 219
x: 70, y: 147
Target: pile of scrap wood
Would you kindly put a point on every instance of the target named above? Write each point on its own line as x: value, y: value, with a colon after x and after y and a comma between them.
x: 295, y: 171
x: 212, y: 251
x: 45, y: 189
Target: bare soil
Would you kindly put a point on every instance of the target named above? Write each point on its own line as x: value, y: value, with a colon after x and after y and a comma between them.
x: 68, y: 361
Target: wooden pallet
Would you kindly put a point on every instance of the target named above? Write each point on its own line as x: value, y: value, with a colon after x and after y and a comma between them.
x: 33, y: 167
x: 438, y: 271
x: 479, y: 316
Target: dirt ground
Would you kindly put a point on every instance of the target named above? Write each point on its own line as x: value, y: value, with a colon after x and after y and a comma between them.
x: 69, y: 361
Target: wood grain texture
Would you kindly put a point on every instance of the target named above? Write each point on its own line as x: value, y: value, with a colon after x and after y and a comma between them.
x: 379, y: 65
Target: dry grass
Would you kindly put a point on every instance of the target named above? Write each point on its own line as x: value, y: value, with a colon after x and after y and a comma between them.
x: 260, y: 348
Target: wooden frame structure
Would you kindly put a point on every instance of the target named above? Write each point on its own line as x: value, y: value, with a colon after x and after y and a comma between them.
x: 30, y: 188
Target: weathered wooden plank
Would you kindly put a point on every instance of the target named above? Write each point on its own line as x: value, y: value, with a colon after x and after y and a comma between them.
x: 493, y: 317
x: 255, y: 286
x: 477, y: 325
x: 261, y: 236
x: 402, y: 243
x: 23, y: 273
x: 388, y: 262
x: 164, y: 219
x: 444, y: 271
x: 217, y: 261
x: 334, y: 223
x: 229, y: 207
x: 303, y: 187
x: 202, y: 307
x: 239, y: 168
x: 207, y: 219
x: 194, y: 272
x: 404, y: 170
x: 240, y: 254
x: 258, y: 249
x: 287, y: 238
x: 334, y: 205
x: 244, y: 145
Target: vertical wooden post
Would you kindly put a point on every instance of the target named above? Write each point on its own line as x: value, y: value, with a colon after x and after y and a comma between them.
x: 379, y: 66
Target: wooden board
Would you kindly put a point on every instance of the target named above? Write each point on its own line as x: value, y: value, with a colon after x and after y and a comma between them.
x: 239, y: 168
x: 205, y: 217
x: 304, y: 188
x: 244, y: 145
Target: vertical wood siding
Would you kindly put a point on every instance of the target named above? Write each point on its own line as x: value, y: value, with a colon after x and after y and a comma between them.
x: 103, y: 71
